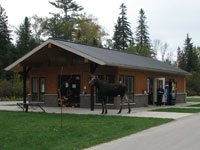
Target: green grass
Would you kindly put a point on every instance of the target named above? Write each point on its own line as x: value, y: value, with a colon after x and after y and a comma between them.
x: 178, y: 110
x: 41, y: 131
x: 195, y: 105
x: 11, y: 98
x: 193, y: 99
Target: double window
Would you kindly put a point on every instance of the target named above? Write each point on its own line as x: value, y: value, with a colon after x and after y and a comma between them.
x: 129, y: 81
x: 38, y: 89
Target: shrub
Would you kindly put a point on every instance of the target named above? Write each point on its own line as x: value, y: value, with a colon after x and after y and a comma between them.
x: 11, y: 89
x: 193, y: 83
x: 11, y: 99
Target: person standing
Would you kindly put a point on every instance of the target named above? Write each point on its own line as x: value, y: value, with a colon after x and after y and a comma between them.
x: 160, y: 92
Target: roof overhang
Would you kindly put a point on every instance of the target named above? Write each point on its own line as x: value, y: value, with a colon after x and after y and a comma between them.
x: 148, y: 69
x: 17, y: 65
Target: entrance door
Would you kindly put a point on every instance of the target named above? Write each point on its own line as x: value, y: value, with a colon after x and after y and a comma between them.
x: 156, y: 83
x: 70, y: 88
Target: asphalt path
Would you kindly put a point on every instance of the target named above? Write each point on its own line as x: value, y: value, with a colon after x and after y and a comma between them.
x: 181, y: 134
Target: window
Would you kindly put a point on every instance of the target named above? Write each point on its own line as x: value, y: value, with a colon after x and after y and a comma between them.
x: 130, y: 87
x: 121, y: 79
x: 77, y: 59
x: 38, y: 89
x: 101, y: 77
x: 42, y: 89
x: 34, y: 89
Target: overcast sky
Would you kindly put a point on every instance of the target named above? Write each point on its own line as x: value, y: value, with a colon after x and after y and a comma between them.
x: 168, y: 20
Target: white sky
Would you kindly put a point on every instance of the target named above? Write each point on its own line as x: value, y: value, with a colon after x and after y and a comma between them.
x: 168, y: 20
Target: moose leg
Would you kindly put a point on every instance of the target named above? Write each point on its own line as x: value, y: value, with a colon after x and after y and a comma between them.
x: 129, y: 107
x: 105, y: 105
x: 102, y: 106
x: 121, y: 105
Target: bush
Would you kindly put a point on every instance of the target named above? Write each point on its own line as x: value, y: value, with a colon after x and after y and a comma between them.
x: 11, y: 99
x: 11, y: 89
x: 5, y: 88
x: 191, y: 92
x: 193, y: 84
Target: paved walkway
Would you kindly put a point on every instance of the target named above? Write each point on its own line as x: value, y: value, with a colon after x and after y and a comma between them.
x: 136, y: 112
x: 182, y: 134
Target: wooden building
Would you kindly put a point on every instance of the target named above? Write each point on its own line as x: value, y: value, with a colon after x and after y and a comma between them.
x: 58, y: 64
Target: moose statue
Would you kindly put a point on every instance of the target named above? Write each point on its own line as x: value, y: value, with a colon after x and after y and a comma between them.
x: 107, y: 89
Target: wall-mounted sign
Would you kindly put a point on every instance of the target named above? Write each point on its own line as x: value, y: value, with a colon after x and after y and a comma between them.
x: 73, y: 86
x: 66, y: 85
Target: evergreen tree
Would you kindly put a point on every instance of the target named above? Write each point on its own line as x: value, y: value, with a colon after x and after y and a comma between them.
x: 143, y: 44
x: 69, y: 7
x: 25, y: 41
x: 122, y: 35
x: 6, y: 46
x: 188, y: 57
x: 181, y: 59
x: 117, y: 35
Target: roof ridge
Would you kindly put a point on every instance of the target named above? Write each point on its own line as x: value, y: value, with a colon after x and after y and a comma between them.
x: 102, y: 48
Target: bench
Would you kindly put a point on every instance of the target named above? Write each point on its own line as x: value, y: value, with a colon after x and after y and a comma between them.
x: 25, y: 106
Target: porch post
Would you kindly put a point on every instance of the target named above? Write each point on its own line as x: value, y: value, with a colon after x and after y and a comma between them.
x: 93, y: 67
x: 24, y: 84
x: 25, y: 75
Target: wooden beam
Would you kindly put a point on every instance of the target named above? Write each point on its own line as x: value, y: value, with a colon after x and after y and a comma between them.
x: 49, y: 45
x: 86, y: 60
x: 25, y: 75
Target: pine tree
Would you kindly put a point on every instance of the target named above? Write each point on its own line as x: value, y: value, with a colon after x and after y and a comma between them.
x: 69, y: 7
x: 188, y: 57
x: 25, y: 41
x: 4, y: 39
x: 143, y: 44
x: 117, y: 38
x: 181, y: 59
x: 122, y: 35
x: 192, y: 58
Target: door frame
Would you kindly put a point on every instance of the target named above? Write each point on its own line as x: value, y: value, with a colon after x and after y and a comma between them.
x: 155, y: 86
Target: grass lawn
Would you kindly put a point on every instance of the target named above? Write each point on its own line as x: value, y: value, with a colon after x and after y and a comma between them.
x: 178, y: 110
x: 195, y: 105
x: 193, y: 99
x: 41, y: 131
